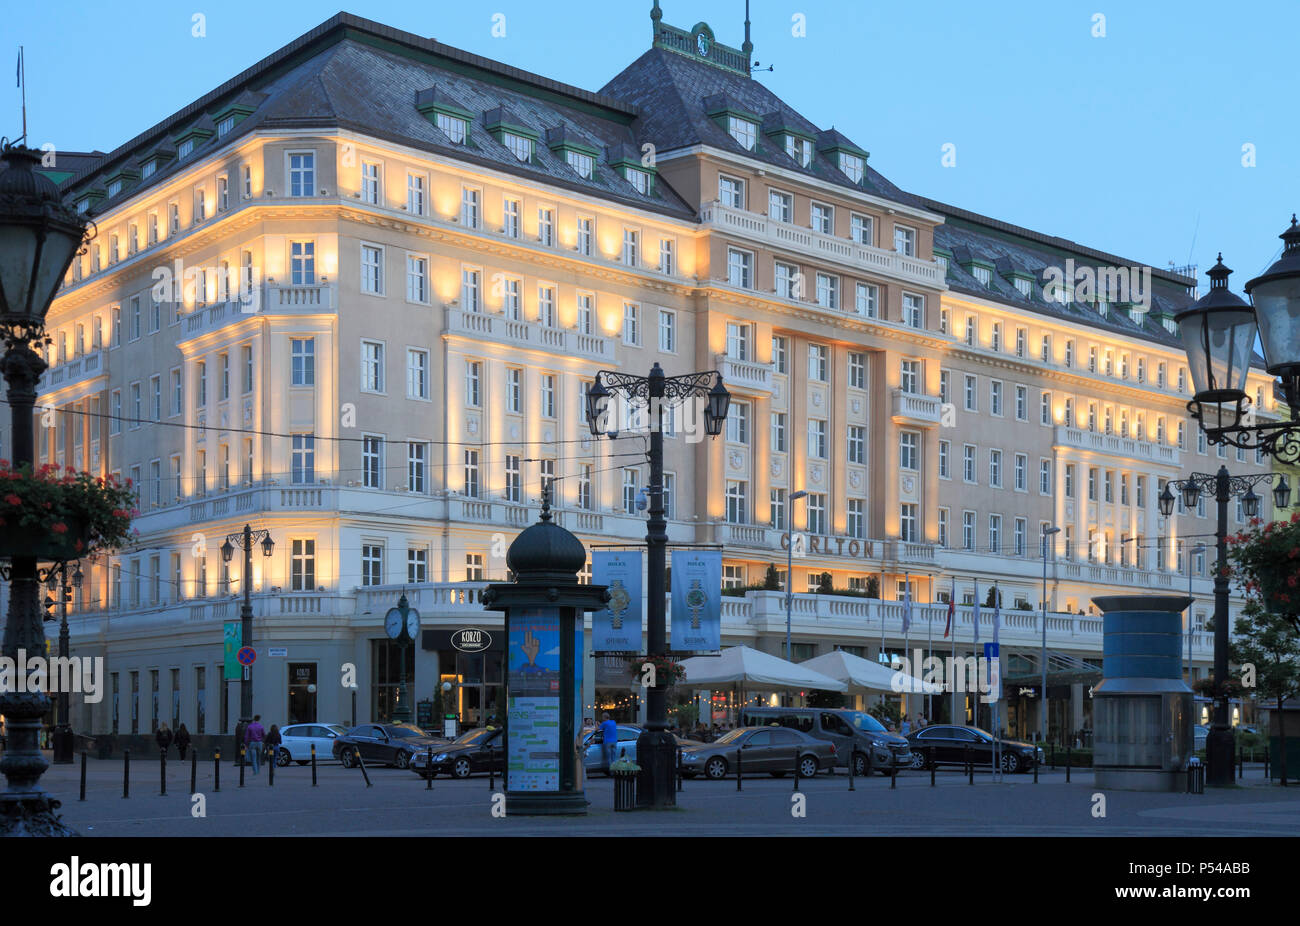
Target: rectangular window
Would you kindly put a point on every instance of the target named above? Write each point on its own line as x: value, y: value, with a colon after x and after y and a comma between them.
x: 789, y: 281
x: 417, y: 564
x: 816, y: 438
x: 415, y: 194
x: 731, y: 192
x: 372, y: 564
x: 469, y: 207
x: 995, y: 468
x: 546, y: 226
x: 968, y: 463
x: 743, y: 131
x: 417, y: 278
x: 907, y: 522
x: 909, y: 380
x: 513, y: 486
x: 370, y: 180
x: 862, y: 229
x: 473, y: 383
x: 586, y: 235
x: 455, y: 129
x: 905, y: 240
x: 738, y: 423
x: 780, y: 206
x: 372, y: 461
x: 944, y: 453
x: 304, y: 459
x: 631, y: 324
x: 417, y: 467
x: 866, y: 300
x: 302, y: 263
x: 302, y: 173
x: 514, y: 389
x: 818, y: 363
x: 470, y: 291
x: 1044, y: 477
x: 816, y: 509
x: 908, y: 450
x: 417, y: 374
x: 857, y: 370
x: 548, y: 395
x: 667, y: 331
x: 913, y: 310
x: 822, y: 218
x: 778, y: 432
x: 372, y: 269
x: 303, y: 361
x: 740, y: 268
x: 828, y: 291
x: 372, y: 366
x: 737, y: 501
x: 780, y: 354
x: 510, y: 217
x: 520, y: 147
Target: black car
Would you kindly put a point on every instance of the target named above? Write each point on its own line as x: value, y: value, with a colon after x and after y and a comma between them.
x: 472, y: 751
x: 946, y: 744
x: 384, y: 744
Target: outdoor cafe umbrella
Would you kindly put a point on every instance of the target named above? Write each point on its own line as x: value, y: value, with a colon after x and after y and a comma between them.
x: 860, y: 674
x: 744, y: 668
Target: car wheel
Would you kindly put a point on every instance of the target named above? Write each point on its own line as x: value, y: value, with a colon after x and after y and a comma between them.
x: 919, y: 761
x: 282, y: 757
x: 461, y: 768
x: 716, y: 768
x: 347, y: 758
x: 808, y: 767
x: 403, y: 760
x: 1010, y: 763
x: 859, y: 764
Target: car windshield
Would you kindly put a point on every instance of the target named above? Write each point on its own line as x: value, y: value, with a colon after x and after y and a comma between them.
x: 731, y: 735
x: 475, y: 736
x: 405, y: 731
x: 865, y: 722
x: 337, y: 728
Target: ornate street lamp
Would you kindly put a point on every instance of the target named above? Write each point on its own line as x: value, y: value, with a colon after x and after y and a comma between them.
x: 656, y: 749
x: 39, y: 236
x: 1218, y: 332
x: 245, y: 540
x: 1276, y: 298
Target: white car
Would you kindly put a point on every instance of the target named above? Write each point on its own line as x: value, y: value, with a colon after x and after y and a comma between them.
x: 296, y: 741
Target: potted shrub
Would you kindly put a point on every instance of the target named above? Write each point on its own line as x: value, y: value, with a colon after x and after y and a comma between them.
x: 63, y: 514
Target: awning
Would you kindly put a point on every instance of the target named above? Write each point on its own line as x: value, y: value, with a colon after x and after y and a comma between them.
x: 750, y: 668
x: 864, y: 675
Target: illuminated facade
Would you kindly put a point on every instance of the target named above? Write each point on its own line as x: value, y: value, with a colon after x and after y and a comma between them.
x: 361, y: 313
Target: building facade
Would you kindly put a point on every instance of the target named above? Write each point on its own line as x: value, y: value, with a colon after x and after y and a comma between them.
x: 355, y: 295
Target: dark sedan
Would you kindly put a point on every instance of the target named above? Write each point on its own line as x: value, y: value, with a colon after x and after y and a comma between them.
x: 384, y: 744
x: 472, y: 751
x: 766, y: 749
x: 946, y: 744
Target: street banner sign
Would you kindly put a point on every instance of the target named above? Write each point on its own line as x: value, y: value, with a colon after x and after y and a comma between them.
x: 697, y: 601
x: 618, y: 627
x: 233, y: 638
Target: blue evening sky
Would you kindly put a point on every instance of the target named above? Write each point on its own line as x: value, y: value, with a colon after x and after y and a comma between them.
x: 1131, y: 142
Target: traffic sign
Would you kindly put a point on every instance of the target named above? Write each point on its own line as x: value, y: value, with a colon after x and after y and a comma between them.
x: 246, y: 656
x: 990, y: 651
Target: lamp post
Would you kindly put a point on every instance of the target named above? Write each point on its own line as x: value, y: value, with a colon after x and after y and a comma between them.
x: 656, y: 748
x: 1220, y: 742
x: 245, y: 541
x: 1042, y: 703
x: 1199, y: 548
x: 789, y: 563
x: 62, y: 729
x: 39, y: 236
x: 402, y: 624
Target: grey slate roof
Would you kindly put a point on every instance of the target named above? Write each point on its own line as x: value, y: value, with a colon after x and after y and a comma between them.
x: 670, y: 90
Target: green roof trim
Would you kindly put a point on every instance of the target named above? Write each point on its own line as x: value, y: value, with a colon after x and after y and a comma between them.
x: 199, y: 135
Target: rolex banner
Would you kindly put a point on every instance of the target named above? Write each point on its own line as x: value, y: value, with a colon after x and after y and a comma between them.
x: 697, y: 601
x: 617, y: 629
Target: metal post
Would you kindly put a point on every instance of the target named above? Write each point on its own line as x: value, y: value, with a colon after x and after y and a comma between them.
x: 1219, y: 742
x: 796, y: 768
x: 216, y: 770
x: 83, y: 777
x: 364, y: 774
x: 932, y: 767
x: 740, y: 766
x: 313, y: 765
x: 655, y: 745
x: 970, y: 765
x: 1042, y: 695
x: 126, y: 773
x: 893, y: 777
x: 243, y: 749
x: 853, y: 761
x: 194, y: 771
x: 63, y: 729
x: 270, y: 767
x: 162, y: 771
x: 1069, y: 761
x: 679, y: 768
x: 246, y: 631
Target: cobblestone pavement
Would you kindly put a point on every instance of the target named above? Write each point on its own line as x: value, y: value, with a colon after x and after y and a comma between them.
x: 398, y: 804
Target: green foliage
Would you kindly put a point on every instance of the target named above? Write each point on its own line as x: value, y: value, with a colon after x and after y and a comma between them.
x: 57, y: 501
x: 988, y: 600
x: 771, y: 579
x: 873, y: 587
x: 1268, y: 642
x: 824, y: 586
x: 886, y: 712
x: 1266, y: 562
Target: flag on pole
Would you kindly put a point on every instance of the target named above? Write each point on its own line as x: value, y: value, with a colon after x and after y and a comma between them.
x: 907, y: 602
x: 976, y: 615
x: 952, y: 605
x: 997, y: 612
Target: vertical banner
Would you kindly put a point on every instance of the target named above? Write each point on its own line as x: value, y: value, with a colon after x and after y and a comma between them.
x: 618, y: 628
x: 533, y: 677
x: 234, y: 638
x: 697, y: 600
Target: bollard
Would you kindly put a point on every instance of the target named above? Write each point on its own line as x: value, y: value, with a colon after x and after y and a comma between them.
x: 679, y: 768
x: 853, y: 764
x: 364, y: 773
x: 1241, y: 762
x: 313, y: 765
x: 126, y: 773
x: 1052, y: 753
x: 162, y: 771
x: 492, y: 769
x: 893, y: 777
x: 216, y: 769
x: 1036, y: 763
x: 194, y: 771
x: 428, y: 768
x: 271, y: 761
x: 932, y: 767
x: 970, y: 766
x: 1068, y: 762
x: 740, y: 768
x: 1267, y: 770
x: 243, y: 749
x: 83, y: 777
x: 796, y: 769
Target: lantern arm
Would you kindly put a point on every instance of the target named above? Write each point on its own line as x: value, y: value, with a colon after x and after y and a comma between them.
x: 1207, y: 483
x: 677, y: 389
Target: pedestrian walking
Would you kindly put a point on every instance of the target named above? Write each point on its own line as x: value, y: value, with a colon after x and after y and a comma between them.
x: 906, y: 728
x: 163, y: 737
x: 273, y: 743
x: 608, y: 740
x: 254, y: 733
x: 182, y: 740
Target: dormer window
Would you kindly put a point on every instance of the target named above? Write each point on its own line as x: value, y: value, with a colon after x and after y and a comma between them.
x: 799, y: 149
x: 185, y: 149
x: 84, y: 205
x: 225, y: 125
x: 455, y: 129
x: 582, y: 164
x: 639, y: 179
x: 983, y: 275
x: 852, y: 166
x: 1024, y: 287
x: 520, y: 147
x: 148, y: 169
x: 114, y: 188
x: 743, y: 131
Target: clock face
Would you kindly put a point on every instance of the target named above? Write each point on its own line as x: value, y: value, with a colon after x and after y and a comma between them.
x: 393, y: 624
x: 412, y: 623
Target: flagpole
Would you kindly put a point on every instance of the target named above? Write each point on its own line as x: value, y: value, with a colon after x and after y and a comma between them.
x: 907, y: 627
x: 929, y: 654
x: 952, y: 663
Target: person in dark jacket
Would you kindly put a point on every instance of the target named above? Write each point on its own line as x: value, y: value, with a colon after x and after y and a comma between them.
x: 182, y: 740
x: 163, y: 737
x: 273, y: 743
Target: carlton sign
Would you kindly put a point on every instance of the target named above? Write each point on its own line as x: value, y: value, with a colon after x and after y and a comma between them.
x: 839, y: 546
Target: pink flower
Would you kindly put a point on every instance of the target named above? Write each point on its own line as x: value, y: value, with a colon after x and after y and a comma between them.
x: 59, y: 527
x: 13, y: 499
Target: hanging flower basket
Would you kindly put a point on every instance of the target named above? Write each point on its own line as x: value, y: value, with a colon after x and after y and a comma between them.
x: 59, y: 515
x: 1266, y: 561
x: 668, y: 672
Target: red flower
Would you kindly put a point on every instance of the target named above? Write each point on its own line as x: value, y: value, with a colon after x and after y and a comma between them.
x: 1292, y: 580
x: 59, y: 527
x: 80, y: 545
x: 13, y: 499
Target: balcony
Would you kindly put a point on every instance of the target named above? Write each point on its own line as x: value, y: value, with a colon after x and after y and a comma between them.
x: 745, y: 376
x: 786, y: 237
x: 268, y: 299
x: 75, y: 371
x: 489, y: 326
x: 910, y: 408
x: 1126, y: 447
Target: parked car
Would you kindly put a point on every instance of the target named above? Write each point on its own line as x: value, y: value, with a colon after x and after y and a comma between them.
x: 593, y: 759
x: 856, y: 735
x: 297, y: 739
x: 766, y: 749
x: 383, y: 744
x: 947, y: 744
x: 473, y: 751
x: 1199, y: 734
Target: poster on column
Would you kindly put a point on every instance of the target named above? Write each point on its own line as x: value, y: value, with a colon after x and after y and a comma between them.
x: 697, y: 601
x: 617, y: 629
x: 533, y: 679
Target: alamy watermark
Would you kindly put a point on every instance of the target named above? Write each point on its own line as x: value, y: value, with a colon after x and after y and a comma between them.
x: 954, y: 673
x: 1129, y: 285
x: 82, y: 675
